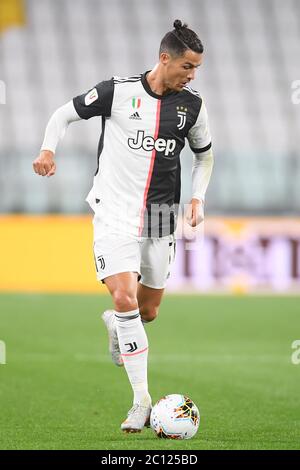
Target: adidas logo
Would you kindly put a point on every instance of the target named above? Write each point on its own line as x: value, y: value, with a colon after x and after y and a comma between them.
x: 135, y: 116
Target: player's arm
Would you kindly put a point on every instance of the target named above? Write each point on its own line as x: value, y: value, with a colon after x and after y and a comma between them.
x: 96, y: 102
x: 201, y: 173
x: 200, y: 142
x: 44, y: 165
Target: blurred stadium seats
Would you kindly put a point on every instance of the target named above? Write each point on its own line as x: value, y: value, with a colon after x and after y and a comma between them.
x: 67, y: 46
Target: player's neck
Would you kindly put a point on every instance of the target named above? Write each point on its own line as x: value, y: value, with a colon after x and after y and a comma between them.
x: 156, y: 82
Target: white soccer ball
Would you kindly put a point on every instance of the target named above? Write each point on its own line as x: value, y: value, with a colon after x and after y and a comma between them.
x: 175, y: 417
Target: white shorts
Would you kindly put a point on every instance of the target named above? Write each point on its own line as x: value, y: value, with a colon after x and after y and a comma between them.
x: 151, y: 258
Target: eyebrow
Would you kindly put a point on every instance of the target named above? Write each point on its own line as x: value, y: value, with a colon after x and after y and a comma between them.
x: 189, y: 63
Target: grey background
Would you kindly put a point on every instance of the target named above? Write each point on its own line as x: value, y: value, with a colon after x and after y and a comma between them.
x: 252, y: 52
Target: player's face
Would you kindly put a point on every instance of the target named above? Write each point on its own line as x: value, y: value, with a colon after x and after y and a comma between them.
x: 180, y: 70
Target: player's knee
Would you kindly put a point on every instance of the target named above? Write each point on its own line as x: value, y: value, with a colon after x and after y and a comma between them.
x: 124, y: 301
x: 148, y: 312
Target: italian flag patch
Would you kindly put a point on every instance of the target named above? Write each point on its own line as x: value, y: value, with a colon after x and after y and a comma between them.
x: 136, y: 103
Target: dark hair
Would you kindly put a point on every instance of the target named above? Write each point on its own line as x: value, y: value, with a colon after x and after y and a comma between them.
x: 179, y: 40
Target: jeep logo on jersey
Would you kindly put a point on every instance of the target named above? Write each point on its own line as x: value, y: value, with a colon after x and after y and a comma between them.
x: 148, y: 143
x: 181, y: 113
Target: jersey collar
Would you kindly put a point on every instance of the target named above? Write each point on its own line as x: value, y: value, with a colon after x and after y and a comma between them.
x: 152, y: 93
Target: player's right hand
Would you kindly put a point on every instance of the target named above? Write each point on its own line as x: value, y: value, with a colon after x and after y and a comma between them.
x: 44, y: 165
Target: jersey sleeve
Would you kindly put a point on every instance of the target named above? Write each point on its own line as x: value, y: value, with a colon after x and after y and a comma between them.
x: 199, y: 135
x: 96, y: 102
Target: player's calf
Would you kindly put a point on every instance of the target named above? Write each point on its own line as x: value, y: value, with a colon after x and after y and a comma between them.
x: 148, y: 313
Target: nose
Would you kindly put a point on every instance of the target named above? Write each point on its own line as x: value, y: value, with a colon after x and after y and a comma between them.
x: 191, y: 74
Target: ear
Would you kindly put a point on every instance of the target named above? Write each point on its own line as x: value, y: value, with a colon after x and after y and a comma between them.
x: 164, y: 58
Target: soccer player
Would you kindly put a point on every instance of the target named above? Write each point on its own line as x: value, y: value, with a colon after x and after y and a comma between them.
x: 145, y: 121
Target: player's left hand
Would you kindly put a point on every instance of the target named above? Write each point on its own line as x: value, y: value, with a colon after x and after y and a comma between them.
x: 195, y: 212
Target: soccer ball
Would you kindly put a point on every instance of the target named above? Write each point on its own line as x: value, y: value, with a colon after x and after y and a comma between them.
x: 175, y: 417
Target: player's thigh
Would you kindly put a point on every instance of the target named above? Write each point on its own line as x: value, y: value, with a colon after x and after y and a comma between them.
x: 115, y: 255
x: 117, y: 262
x: 157, y: 256
x: 122, y: 283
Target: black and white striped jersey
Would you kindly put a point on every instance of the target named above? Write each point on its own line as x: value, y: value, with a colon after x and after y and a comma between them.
x: 137, y: 181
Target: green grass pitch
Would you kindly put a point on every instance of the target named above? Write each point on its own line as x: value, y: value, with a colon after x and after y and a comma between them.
x: 231, y: 355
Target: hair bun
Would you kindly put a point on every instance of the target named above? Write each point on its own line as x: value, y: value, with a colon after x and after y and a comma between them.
x: 178, y: 25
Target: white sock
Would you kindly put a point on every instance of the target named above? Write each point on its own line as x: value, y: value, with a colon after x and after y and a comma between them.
x: 134, y: 349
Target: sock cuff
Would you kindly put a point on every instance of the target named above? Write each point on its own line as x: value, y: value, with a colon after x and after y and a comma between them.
x: 125, y: 316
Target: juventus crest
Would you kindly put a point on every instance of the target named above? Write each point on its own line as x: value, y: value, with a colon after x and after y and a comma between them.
x: 101, y: 262
x: 181, y: 113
